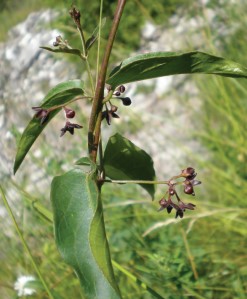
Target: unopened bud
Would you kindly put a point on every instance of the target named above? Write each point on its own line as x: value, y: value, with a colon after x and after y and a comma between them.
x: 114, y: 108
x: 69, y: 112
x: 121, y: 89
x: 188, y: 189
x: 126, y: 101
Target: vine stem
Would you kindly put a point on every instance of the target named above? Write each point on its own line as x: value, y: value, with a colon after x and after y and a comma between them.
x: 84, y: 50
x: 25, y: 244
x: 96, y: 112
x: 99, y: 39
x: 136, y: 182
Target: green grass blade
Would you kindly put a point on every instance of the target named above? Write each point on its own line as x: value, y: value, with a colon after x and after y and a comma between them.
x: 35, y: 266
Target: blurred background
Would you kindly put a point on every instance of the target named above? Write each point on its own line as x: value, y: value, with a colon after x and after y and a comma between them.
x: 181, y: 121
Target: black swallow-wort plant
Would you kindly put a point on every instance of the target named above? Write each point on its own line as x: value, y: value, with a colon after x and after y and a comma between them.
x: 76, y: 195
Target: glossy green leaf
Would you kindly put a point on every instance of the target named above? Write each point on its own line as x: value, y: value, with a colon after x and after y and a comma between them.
x: 159, y: 64
x: 65, y: 50
x: 123, y: 160
x: 61, y: 94
x: 80, y: 232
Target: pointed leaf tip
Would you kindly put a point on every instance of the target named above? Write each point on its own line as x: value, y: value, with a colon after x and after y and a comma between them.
x: 159, y: 64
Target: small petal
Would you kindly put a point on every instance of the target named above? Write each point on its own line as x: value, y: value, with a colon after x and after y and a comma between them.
x: 169, y: 209
x: 70, y: 128
x: 195, y: 182
x: 179, y: 213
x: 114, y: 115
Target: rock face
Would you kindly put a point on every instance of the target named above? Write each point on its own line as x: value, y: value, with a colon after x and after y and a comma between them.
x: 27, y: 73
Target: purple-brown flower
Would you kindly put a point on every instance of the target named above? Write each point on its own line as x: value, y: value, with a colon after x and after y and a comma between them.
x: 42, y: 114
x: 69, y: 127
x: 189, y: 186
x: 108, y: 115
x: 189, y: 174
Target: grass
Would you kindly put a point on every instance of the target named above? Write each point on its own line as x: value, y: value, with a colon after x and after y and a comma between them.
x: 202, y: 256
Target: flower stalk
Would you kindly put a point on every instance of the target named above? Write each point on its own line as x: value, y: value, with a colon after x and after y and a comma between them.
x: 96, y: 112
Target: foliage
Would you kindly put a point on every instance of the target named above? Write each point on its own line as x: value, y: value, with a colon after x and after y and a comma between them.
x: 175, y: 257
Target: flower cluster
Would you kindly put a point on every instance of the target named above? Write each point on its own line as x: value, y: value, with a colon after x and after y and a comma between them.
x: 43, y: 115
x: 108, y: 114
x: 61, y: 43
x: 189, y: 174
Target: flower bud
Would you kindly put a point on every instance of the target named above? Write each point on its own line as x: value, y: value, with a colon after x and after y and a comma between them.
x: 121, y: 89
x: 114, y: 108
x: 171, y: 190
x: 126, y: 101
x: 188, y: 189
x: 69, y: 112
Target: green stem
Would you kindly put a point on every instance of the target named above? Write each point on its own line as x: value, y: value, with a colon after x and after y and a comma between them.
x: 96, y: 113
x: 25, y: 245
x: 190, y: 256
x: 108, y: 97
x: 90, y: 75
x: 136, y: 182
x: 99, y: 39
x: 83, y: 42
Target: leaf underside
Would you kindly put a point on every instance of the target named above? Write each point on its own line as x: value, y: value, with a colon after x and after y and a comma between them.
x: 159, y: 64
x: 123, y: 160
x: 61, y: 94
x: 80, y: 232
x: 59, y: 50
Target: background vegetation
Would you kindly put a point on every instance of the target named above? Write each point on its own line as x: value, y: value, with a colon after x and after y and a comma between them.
x: 202, y: 256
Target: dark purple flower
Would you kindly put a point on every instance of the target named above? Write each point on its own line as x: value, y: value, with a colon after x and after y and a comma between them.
x: 189, y: 173
x: 189, y: 186
x: 42, y: 114
x: 168, y: 205
x: 186, y: 206
x: 70, y: 128
x: 108, y: 115
x: 75, y: 15
x: 180, y: 207
x: 179, y: 213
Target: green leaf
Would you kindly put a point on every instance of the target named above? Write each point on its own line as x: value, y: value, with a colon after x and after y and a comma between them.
x: 65, y: 50
x: 61, y: 94
x: 83, y: 161
x: 80, y: 232
x: 123, y: 160
x: 158, y: 64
